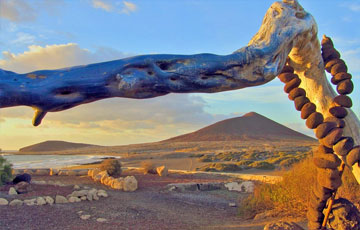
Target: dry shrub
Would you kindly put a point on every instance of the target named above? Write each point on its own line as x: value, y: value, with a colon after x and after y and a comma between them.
x: 112, y: 166
x: 148, y: 167
x: 350, y: 189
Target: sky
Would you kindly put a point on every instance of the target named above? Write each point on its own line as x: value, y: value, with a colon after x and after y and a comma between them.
x: 50, y: 34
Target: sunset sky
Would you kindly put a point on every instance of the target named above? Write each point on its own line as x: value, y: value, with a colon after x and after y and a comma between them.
x: 50, y: 34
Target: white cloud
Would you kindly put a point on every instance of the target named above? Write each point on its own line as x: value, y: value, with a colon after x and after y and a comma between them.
x: 17, y: 10
x: 102, y: 5
x: 352, y: 6
x: 55, y: 56
x: 123, y: 7
x: 23, y: 38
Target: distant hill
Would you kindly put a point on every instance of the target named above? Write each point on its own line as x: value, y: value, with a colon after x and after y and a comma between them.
x: 53, y: 146
x: 250, y: 127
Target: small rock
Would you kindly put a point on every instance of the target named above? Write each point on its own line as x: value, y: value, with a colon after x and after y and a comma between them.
x: 130, y: 184
x: 162, y: 170
x: 118, y: 183
x: 80, y: 193
x: 3, y: 201
x: 49, y: 200
x: 102, y: 193
x: 16, y: 202
x: 30, y: 202
x: 83, y: 198
x: 40, y: 201
x: 85, y: 217
x: 60, y: 199
x: 22, y: 187
x: 22, y: 177
x: 101, y: 220
x: 73, y: 199
x: 76, y: 187
x: 232, y: 204
x: 12, y: 191
x: 282, y: 225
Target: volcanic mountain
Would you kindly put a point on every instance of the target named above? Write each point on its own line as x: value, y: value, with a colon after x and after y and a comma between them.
x: 53, y: 146
x: 250, y: 127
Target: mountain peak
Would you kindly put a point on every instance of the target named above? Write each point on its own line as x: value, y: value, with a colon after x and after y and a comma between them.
x: 251, y: 114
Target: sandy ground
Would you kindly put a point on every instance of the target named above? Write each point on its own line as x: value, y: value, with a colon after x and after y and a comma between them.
x: 150, y: 207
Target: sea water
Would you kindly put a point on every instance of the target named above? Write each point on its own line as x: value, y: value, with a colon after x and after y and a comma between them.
x: 51, y: 161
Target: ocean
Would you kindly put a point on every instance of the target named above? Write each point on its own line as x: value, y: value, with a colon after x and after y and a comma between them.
x: 50, y: 161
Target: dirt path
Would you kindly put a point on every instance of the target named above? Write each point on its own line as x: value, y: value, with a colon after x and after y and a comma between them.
x: 150, y: 207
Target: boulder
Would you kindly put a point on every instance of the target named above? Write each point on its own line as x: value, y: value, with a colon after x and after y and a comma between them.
x: 162, y: 170
x: 83, y: 198
x: 30, y: 202
x: 16, y: 202
x: 102, y: 193
x: 40, y: 201
x: 22, y: 177
x: 73, y: 199
x: 130, y: 184
x: 92, y: 195
x: 22, y: 187
x: 49, y: 200
x: 3, y: 201
x: 344, y: 216
x: 79, y: 193
x: 12, y: 191
x: 60, y: 199
x: 76, y: 187
x: 118, y: 183
x: 282, y: 225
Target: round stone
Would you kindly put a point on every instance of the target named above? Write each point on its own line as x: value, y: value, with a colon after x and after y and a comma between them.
x: 324, y: 128
x: 307, y: 109
x: 340, y: 77
x: 321, y: 192
x: 338, y: 112
x: 294, y: 83
x: 329, y: 178
x: 353, y: 156
x: 345, y: 87
x: 314, y: 120
x: 339, y: 123
x: 338, y: 68
x: 343, y: 146
x: 287, y: 69
x: 329, y: 53
x: 286, y: 77
x: 343, y: 100
x: 322, y: 149
x: 297, y: 92
x: 330, y: 161
x: 300, y: 102
x: 326, y: 41
x: 332, y: 63
x: 333, y: 137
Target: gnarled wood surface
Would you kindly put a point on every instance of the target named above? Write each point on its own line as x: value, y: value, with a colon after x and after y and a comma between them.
x: 287, y: 30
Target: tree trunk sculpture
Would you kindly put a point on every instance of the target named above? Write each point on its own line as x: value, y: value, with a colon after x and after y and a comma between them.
x: 288, y: 34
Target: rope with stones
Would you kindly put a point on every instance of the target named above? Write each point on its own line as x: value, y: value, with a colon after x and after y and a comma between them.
x: 329, y: 131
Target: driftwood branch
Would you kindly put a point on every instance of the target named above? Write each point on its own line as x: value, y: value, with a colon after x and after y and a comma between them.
x: 287, y: 30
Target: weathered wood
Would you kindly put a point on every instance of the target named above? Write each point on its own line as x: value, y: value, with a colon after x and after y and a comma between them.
x: 287, y: 30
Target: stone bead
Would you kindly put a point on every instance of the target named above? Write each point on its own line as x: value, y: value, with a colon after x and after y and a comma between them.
x: 329, y: 53
x: 322, y: 149
x: 332, y: 63
x: 315, y: 202
x: 329, y: 178
x: 339, y: 123
x: 343, y: 146
x: 340, y: 77
x: 323, y: 129
x: 297, y: 92
x: 307, y: 109
x: 321, y: 192
x: 300, y: 102
x: 338, y: 68
x: 333, y: 137
x: 345, y: 87
x: 314, y: 120
x: 343, y: 100
x: 287, y: 69
x: 286, y: 77
x: 338, y: 112
x: 294, y: 83
x: 353, y: 156
x: 326, y: 41
x: 330, y: 161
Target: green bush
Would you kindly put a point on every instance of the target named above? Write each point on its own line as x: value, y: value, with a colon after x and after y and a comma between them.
x: 5, y: 171
x: 112, y: 166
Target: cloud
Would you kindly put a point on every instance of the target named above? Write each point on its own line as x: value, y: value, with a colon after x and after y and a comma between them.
x: 123, y: 7
x: 23, y: 38
x: 102, y: 5
x: 352, y: 6
x: 55, y: 56
x: 17, y: 11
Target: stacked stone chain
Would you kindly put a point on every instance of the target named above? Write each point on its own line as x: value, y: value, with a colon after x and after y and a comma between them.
x: 328, y: 131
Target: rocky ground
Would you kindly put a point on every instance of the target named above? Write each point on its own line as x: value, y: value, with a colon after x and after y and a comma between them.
x: 152, y: 206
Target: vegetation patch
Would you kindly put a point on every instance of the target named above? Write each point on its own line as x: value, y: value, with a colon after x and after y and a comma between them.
x: 5, y: 171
